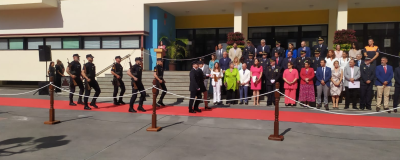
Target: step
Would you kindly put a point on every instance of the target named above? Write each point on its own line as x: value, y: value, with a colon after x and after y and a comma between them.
x: 109, y: 79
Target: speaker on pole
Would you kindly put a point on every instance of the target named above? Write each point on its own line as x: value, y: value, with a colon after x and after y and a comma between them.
x: 44, y: 53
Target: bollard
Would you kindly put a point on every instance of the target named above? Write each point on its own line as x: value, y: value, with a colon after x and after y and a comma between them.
x: 154, y: 127
x: 276, y: 136
x: 51, y: 111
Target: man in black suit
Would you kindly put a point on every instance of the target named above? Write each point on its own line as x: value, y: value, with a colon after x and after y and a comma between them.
x: 316, y: 60
x: 249, y: 49
x: 367, y: 71
x: 397, y: 88
x: 250, y: 60
x: 272, y: 75
x: 323, y: 49
x: 194, y: 88
x: 299, y: 63
x: 278, y: 59
x: 279, y: 49
x: 359, y: 61
x: 262, y: 49
x: 287, y: 60
x: 264, y: 62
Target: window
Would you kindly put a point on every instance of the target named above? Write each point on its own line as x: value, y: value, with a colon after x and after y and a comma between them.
x: 55, y: 43
x: 16, y: 43
x: 92, y: 43
x: 222, y: 33
x: 110, y: 42
x: 33, y: 43
x: 130, y: 42
x: 315, y: 31
x: 3, y: 44
x: 260, y: 33
x: 71, y: 43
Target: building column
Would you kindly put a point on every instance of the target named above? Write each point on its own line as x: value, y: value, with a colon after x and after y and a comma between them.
x: 240, y: 19
x: 337, y: 20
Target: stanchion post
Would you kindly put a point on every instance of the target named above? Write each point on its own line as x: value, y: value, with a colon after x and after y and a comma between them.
x: 276, y: 136
x: 51, y: 111
x: 154, y: 127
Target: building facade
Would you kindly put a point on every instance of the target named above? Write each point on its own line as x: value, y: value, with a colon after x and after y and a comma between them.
x: 107, y: 28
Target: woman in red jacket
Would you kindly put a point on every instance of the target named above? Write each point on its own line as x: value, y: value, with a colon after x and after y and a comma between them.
x: 307, y: 94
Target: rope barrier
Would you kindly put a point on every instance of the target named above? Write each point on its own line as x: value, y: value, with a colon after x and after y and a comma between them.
x: 212, y: 100
x: 101, y: 97
x: 180, y: 59
x: 26, y: 92
x: 334, y: 112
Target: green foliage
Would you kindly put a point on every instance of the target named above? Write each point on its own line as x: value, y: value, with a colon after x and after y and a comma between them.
x: 176, y: 49
x: 343, y: 47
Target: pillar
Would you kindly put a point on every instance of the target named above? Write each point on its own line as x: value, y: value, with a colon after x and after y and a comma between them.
x: 337, y: 20
x: 342, y: 15
x: 240, y: 19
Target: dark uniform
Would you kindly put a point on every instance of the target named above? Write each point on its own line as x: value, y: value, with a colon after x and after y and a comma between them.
x: 247, y: 51
x: 75, y: 69
x: 280, y: 50
x: 137, y: 86
x: 90, y: 71
x: 118, y: 83
x: 271, y: 73
x: 371, y: 52
x: 195, y: 90
x: 160, y: 73
x: 322, y: 48
x: 264, y: 63
x: 367, y: 73
x: 299, y: 64
x: 249, y: 61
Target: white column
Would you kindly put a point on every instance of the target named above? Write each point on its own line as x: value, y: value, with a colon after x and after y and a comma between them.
x: 342, y: 15
x: 332, y: 27
x: 337, y: 20
x: 240, y: 19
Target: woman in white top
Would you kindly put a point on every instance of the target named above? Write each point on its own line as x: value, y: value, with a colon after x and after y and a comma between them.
x: 344, y: 61
x: 338, y: 52
x: 330, y: 58
x: 216, y: 75
x: 354, y: 51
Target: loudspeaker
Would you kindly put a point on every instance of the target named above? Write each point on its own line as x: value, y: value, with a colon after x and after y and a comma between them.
x: 44, y: 53
x: 45, y: 90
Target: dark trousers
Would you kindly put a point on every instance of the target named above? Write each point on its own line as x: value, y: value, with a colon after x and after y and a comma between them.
x: 72, y: 89
x: 230, y: 94
x: 366, y: 96
x: 223, y: 87
x: 122, y: 86
x: 271, y: 96
x: 163, y: 87
x: 351, y: 97
x: 140, y: 88
x: 57, y: 82
x: 93, y: 84
x: 396, y: 97
x: 263, y: 85
x: 194, y: 94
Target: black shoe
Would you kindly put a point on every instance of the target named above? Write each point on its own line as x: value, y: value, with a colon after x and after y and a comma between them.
x: 157, y: 105
x: 247, y: 103
x: 80, y: 102
x: 192, y: 111
x: 94, y: 105
x: 197, y: 110
x: 116, y: 103
x: 326, y: 107
x: 121, y: 102
x: 72, y: 104
x: 318, y: 106
x: 378, y: 109
x: 355, y: 108
x: 369, y: 108
x: 140, y: 108
x: 241, y: 103
x: 346, y: 107
x: 132, y: 110
x: 87, y: 107
x: 388, y: 109
x: 161, y: 104
x: 395, y: 110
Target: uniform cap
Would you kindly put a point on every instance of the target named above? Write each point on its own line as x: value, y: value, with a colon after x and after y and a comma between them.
x: 251, y: 54
x: 194, y: 62
x: 272, y: 60
x: 159, y: 59
x: 263, y: 53
x: 89, y: 55
x: 138, y: 59
x: 75, y: 55
x: 248, y: 41
x: 277, y: 42
x: 118, y: 57
x: 200, y: 62
x: 303, y: 52
x: 320, y: 39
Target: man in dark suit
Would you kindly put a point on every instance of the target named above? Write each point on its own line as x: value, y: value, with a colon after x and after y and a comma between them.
x: 299, y: 63
x: 219, y: 51
x: 323, y: 49
x: 195, y: 88
x: 263, y: 49
x: 397, y: 88
x: 278, y: 59
x: 316, y: 60
x: 287, y: 60
x: 272, y: 75
x: 278, y: 49
x: 250, y: 60
x: 224, y: 64
x: 264, y: 62
x: 384, y: 76
x: 359, y: 61
x: 249, y: 49
x: 367, y: 83
x: 323, y: 83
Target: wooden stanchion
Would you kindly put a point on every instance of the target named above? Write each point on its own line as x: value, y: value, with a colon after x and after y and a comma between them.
x: 51, y: 111
x: 154, y: 127
x: 276, y: 136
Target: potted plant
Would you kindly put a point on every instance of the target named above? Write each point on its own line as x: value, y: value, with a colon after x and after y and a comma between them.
x: 176, y: 49
x: 235, y: 37
x: 344, y: 38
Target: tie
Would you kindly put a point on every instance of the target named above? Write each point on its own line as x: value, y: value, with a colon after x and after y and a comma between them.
x: 290, y: 59
x: 243, y: 72
x: 277, y: 60
x: 323, y: 72
x: 359, y: 63
x: 384, y: 68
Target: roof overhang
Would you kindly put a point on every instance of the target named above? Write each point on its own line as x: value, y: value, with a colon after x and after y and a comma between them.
x: 27, y: 4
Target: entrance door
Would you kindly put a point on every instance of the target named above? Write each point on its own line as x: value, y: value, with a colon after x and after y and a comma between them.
x: 384, y: 37
x: 205, y: 42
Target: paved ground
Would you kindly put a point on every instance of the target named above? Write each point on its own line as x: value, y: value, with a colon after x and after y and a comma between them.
x: 120, y: 136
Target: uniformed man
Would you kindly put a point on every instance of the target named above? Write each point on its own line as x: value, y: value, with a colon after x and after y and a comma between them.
x: 367, y: 78
x: 250, y: 60
x: 323, y: 49
x: 299, y: 63
x: 194, y: 88
x: 316, y: 60
x: 272, y: 75
x: 160, y: 82
x: 137, y: 86
x: 117, y: 70
x: 89, y: 73
x: 264, y: 62
x: 278, y: 49
x: 249, y: 49
x: 371, y: 51
x: 74, y: 70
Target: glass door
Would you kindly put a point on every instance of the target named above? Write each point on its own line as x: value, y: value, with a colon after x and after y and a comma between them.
x: 383, y: 36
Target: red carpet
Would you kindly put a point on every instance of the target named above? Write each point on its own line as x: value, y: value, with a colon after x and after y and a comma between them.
x: 288, y: 116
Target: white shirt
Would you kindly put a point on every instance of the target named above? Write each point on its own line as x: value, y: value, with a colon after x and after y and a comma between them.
x: 202, y: 68
x: 217, y: 74
x: 244, y: 77
x: 329, y: 62
x: 352, y: 72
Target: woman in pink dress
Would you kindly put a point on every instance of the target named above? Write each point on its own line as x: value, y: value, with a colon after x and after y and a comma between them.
x: 256, y: 71
x: 290, y: 76
x: 162, y: 46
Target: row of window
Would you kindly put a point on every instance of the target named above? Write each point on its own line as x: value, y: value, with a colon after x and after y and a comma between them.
x: 109, y: 42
